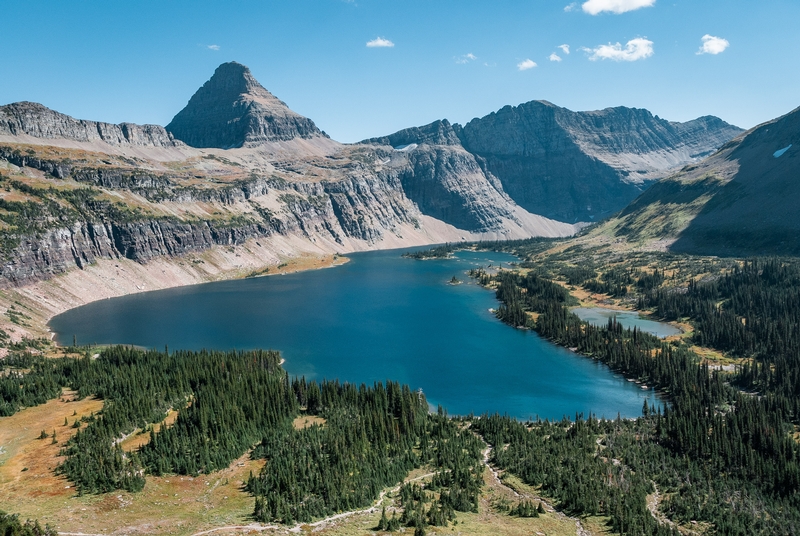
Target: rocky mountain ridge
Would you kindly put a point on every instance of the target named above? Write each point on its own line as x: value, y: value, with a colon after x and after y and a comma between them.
x: 69, y: 209
x: 38, y: 121
x: 573, y: 166
x: 237, y: 166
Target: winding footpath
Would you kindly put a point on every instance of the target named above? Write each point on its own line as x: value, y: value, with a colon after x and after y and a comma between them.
x: 316, y: 524
x: 487, y: 454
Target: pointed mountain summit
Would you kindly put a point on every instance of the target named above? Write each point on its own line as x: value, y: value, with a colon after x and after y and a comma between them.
x: 233, y: 110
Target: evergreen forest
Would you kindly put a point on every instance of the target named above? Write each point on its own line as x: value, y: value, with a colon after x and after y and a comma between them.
x: 723, y: 452
x: 720, y: 455
x: 231, y: 403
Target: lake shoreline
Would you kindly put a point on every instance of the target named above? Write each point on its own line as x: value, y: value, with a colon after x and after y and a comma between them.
x: 629, y: 319
x: 40, y: 302
x: 380, y: 316
x: 589, y: 300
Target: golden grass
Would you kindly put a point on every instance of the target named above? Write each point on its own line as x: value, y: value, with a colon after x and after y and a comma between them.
x: 306, y: 262
x: 27, y: 463
x: 306, y: 421
x: 168, y: 505
x: 138, y: 438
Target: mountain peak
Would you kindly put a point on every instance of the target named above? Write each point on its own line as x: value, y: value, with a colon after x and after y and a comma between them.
x: 233, y: 77
x: 233, y: 110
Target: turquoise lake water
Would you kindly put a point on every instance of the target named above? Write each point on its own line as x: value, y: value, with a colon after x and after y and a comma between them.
x: 379, y: 316
x: 599, y: 316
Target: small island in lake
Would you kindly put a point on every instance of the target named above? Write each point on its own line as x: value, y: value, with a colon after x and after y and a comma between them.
x: 439, y: 252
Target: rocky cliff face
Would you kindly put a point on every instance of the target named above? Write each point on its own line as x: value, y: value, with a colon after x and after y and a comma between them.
x: 32, y: 119
x: 573, y: 166
x: 233, y: 110
x: 740, y: 201
x: 449, y: 184
x: 437, y: 133
x: 64, y: 214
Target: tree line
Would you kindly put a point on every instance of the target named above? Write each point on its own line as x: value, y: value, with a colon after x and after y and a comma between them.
x: 230, y: 403
x: 722, y: 456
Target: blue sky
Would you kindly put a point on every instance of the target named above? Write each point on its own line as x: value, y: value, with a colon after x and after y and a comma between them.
x: 141, y: 61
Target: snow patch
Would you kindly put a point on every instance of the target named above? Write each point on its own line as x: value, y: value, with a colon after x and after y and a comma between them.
x: 406, y: 148
x: 779, y: 153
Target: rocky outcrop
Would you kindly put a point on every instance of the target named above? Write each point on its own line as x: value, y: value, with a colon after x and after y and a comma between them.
x: 444, y: 180
x: 572, y: 166
x: 362, y: 205
x: 437, y: 133
x: 38, y: 121
x: 61, y: 249
x: 233, y: 110
x: 449, y: 183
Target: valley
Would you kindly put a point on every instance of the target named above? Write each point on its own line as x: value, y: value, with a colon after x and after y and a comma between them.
x: 614, y: 208
x: 622, y: 449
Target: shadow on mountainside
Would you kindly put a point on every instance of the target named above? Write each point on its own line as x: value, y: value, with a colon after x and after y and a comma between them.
x: 758, y: 211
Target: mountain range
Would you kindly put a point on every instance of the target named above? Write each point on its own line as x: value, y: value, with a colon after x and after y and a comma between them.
x: 236, y: 168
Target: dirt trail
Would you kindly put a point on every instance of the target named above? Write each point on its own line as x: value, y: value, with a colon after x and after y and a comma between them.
x: 654, y: 504
x: 316, y: 524
x: 374, y: 508
x: 487, y: 454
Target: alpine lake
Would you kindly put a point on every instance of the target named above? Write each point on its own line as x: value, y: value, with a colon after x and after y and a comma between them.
x: 377, y: 317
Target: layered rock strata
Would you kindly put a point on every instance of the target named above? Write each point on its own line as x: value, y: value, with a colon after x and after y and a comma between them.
x: 572, y: 166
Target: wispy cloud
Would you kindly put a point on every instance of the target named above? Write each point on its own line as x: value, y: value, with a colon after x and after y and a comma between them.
x: 564, y: 48
x: 554, y: 57
x: 593, y: 7
x: 526, y: 64
x: 713, y: 45
x: 466, y: 58
x: 212, y: 47
x: 380, y: 42
x: 571, y: 7
x: 635, y: 49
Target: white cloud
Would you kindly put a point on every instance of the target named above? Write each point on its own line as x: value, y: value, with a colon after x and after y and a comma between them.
x: 635, y: 49
x: 593, y: 7
x: 555, y: 57
x: 466, y: 58
x: 713, y: 45
x: 564, y: 48
x: 524, y: 65
x: 571, y: 7
x: 380, y: 42
x: 213, y: 47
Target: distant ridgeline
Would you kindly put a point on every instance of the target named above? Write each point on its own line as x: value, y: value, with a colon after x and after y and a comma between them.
x: 717, y: 454
x: 740, y: 201
x: 230, y: 401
